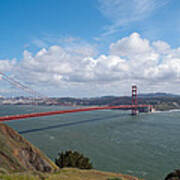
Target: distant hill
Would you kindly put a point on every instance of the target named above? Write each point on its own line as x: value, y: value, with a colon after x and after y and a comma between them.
x: 160, y: 101
x: 158, y: 94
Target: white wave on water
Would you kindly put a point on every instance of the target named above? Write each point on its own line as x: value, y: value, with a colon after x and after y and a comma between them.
x: 143, y: 173
x: 51, y: 137
x: 168, y: 111
x: 174, y: 110
x: 154, y: 112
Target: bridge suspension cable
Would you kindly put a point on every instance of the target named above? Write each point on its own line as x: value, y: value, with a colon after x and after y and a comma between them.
x: 19, y: 85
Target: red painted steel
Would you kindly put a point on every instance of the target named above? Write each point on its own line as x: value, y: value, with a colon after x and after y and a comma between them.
x: 24, y: 116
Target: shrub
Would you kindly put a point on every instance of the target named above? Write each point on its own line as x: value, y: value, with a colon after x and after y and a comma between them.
x: 73, y: 159
x: 173, y: 175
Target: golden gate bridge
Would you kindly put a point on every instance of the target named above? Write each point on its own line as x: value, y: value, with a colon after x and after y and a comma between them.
x: 134, y: 107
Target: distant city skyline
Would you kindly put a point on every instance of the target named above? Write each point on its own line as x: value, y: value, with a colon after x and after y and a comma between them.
x: 88, y: 48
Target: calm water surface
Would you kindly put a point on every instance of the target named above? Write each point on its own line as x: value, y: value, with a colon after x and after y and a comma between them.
x: 146, y: 146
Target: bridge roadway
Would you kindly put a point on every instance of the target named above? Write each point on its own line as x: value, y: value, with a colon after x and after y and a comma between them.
x: 41, y: 114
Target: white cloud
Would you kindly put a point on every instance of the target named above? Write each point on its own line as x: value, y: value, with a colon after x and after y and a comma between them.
x: 47, y: 40
x: 122, y: 12
x: 7, y: 65
x: 161, y: 47
x: 40, y: 43
x: 131, y: 46
x: 154, y: 66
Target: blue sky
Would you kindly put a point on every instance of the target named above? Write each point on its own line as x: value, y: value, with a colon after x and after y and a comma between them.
x: 83, y: 29
x: 22, y: 22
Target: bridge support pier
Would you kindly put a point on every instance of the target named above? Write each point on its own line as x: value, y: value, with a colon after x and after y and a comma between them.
x: 134, y: 112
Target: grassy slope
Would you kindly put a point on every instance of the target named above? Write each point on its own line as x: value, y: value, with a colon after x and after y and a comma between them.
x: 68, y: 174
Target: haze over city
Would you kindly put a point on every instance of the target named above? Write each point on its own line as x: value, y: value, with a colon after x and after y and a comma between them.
x: 91, y: 48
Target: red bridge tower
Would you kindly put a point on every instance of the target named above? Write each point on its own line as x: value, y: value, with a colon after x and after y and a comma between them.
x: 134, y: 100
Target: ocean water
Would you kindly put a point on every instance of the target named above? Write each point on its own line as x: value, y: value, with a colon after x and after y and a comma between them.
x: 146, y: 146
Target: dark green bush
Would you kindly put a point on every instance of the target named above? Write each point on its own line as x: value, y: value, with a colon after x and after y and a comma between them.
x: 73, y: 159
x: 173, y: 175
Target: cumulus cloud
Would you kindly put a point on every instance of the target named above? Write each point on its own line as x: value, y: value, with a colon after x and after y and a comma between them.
x: 161, y: 47
x: 154, y: 66
x: 7, y: 65
x: 151, y: 62
x: 131, y: 46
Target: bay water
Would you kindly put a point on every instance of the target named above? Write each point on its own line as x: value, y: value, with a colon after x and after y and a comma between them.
x: 146, y: 146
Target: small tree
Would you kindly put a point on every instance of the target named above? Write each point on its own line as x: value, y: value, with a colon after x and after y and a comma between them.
x: 73, y: 159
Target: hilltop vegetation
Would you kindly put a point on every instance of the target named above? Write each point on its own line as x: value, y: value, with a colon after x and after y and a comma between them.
x: 175, y: 175
x: 73, y: 159
x: 67, y: 174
